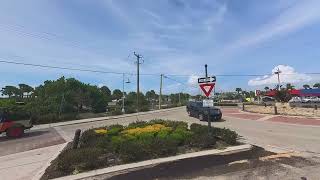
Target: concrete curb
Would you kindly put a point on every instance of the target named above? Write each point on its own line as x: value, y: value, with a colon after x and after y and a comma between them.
x: 43, y: 169
x: 229, y: 150
x: 44, y: 126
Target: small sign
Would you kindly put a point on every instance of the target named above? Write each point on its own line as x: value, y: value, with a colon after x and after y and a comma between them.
x: 258, y: 92
x: 207, y: 103
x: 207, y: 88
x: 211, y: 79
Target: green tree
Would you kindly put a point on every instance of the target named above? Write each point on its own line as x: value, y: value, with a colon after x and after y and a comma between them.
x: 316, y: 85
x: 283, y: 95
x: 238, y: 90
x: 25, y: 89
x: 306, y: 86
x: 151, y: 95
x: 117, y: 94
x: 106, y: 93
x: 10, y: 91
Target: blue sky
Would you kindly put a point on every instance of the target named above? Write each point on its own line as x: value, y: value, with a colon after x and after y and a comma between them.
x: 174, y: 37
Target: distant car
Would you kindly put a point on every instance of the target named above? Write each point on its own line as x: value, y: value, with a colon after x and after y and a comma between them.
x: 295, y: 100
x: 268, y: 100
x: 310, y: 100
x: 196, y: 109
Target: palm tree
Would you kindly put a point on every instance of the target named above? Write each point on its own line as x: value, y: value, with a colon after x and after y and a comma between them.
x: 238, y: 90
x: 306, y: 86
x: 289, y: 86
x: 316, y: 85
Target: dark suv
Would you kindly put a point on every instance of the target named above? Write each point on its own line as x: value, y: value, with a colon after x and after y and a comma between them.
x: 196, y: 109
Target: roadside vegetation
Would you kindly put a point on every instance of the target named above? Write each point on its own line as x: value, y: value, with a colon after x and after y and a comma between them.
x: 117, y: 144
x: 68, y: 99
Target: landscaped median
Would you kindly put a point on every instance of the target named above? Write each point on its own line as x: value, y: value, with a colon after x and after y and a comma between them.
x: 139, y: 141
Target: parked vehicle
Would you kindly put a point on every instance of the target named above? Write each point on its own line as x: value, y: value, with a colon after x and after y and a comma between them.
x: 196, y: 109
x: 295, y: 100
x: 12, y: 125
x: 311, y: 99
x: 268, y: 100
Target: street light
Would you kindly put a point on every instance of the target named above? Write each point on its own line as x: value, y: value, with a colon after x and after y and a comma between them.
x: 127, y: 82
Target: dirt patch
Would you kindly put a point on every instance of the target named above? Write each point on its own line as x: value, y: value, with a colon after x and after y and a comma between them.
x: 284, y: 109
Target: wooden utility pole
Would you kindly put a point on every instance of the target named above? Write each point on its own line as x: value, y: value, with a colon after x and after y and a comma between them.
x: 160, y: 92
x: 278, y: 73
x: 138, y: 78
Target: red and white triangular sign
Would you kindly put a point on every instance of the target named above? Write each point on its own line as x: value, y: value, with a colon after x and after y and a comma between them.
x: 207, y: 88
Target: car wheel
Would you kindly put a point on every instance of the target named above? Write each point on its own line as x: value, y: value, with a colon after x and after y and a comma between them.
x: 15, y: 132
x: 201, y: 117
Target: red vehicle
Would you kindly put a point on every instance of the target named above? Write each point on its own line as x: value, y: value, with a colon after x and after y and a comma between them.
x: 13, y: 126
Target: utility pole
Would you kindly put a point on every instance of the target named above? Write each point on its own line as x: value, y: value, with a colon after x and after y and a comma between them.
x: 138, y: 78
x: 278, y: 73
x: 160, y: 92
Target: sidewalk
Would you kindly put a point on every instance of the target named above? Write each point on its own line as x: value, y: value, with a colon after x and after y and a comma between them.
x: 27, y: 165
x: 44, y: 126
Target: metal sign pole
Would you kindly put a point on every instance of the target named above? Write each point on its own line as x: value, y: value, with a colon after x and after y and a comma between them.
x: 208, y: 108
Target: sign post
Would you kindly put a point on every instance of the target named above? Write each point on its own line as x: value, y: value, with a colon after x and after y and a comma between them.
x: 258, y: 93
x: 207, y: 84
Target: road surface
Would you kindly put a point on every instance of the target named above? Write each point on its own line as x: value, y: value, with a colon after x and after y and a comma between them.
x: 286, y: 134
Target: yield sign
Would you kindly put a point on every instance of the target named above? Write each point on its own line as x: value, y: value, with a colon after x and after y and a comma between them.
x: 207, y: 88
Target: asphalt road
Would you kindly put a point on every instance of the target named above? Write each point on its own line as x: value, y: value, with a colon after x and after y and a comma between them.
x: 272, y: 133
x: 302, y: 138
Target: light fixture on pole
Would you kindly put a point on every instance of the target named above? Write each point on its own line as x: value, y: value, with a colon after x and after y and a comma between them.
x: 123, y: 93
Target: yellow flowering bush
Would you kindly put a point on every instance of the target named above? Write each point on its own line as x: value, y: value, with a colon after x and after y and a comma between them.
x: 101, y: 131
x: 147, y: 129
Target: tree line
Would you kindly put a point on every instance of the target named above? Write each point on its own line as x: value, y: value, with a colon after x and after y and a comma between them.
x: 66, y: 98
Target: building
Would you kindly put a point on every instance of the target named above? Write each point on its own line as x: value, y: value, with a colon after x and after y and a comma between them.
x: 298, y: 92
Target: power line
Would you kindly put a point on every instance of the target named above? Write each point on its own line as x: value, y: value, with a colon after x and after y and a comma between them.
x: 193, y: 86
x: 48, y: 37
x: 59, y: 67
x: 2, y: 60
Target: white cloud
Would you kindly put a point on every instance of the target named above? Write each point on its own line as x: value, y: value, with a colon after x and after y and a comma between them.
x: 298, y: 16
x: 193, y: 80
x: 287, y: 75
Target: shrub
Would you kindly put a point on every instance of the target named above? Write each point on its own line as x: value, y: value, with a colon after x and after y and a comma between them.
x: 172, y: 124
x: 149, y: 128
x: 114, y: 130
x: 181, y: 135
x: 200, y: 137
x: 202, y: 140
x: 163, y: 146
x: 89, y: 138
x: 227, y: 135
x: 137, y: 124
x: 132, y: 151
x: 101, y: 131
x: 80, y: 159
